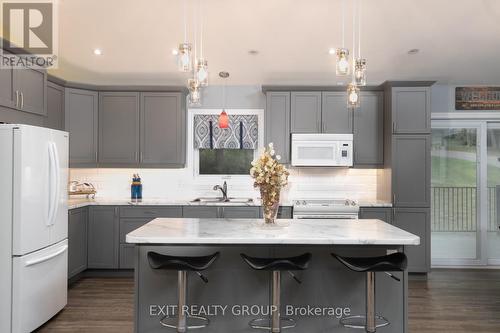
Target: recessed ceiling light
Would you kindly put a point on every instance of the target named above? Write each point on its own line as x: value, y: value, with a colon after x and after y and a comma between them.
x: 332, y: 50
x: 253, y: 52
x: 97, y: 51
x: 413, y: 51
x: 175, y: 52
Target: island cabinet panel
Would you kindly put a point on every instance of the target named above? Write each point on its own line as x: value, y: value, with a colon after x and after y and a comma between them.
x: 163, y: 123
x: 240, y: 212
x: 416, y: 221
x: 277, y: 123
x: 7, y: 91
x: 306, y: 112
x: 103, y: 237
x: 411, y: 170
x: 77, y: 241
x: 379, y: 213
x: 55, y: 106
x: 32, y: 88
x: 369, y: 130
x: 80, y: 117
x: 411, y: 110
x: 336, y: 117
x: 200, y: 212
x: 118, y: 128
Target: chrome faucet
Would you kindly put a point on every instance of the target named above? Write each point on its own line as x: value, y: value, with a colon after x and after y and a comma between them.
x: 223, y: 189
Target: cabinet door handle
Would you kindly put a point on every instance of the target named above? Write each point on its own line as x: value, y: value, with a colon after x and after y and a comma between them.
x: 96, y: 156
x: 324, y: 128
x: 142, y: 156
x: 17, y: 98
x: 394, y: 198
x: 318, y: 125
x: 22, y: 100
x: 393, y: 127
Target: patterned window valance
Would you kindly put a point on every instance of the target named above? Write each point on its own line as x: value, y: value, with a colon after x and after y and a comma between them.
x: 242, y: 132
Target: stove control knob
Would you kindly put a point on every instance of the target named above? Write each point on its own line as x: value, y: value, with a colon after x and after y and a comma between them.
x: 304, y: 202
x: 353, y: 203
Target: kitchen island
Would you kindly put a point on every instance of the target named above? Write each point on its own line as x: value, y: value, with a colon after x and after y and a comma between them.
x: 328, y: 289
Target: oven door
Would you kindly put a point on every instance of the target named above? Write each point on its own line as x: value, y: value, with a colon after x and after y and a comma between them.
x: 325, y: 216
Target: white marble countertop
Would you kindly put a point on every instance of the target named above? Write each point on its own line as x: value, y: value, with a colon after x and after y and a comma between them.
x: 74, y: 203
x: 173, y: 231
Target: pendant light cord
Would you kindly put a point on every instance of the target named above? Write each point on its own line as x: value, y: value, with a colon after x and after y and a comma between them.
x: 359, y: 28
x: 185, y: 20
x: 201, y: 28
x: 354, y: 40
x: 195, y: 38
x: 343, y: 23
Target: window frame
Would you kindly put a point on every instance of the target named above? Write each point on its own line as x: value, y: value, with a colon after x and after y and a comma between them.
x: 194, y: 154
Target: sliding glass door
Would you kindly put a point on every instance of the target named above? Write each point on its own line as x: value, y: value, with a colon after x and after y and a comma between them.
x: 455, y: 191
x: 465, y: 193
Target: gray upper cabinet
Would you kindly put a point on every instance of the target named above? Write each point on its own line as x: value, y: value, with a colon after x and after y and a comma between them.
x: 306, y: 112
x: 7, y: 94
x: 369, y: 130
x: 32, y: 89
x: 417, y: 222
x: 103, y: 237
x: 118, y: 128
x: 336, y: 117
x: 55, y: 106
x: 77, y: 241
x: 411, y: 110
x: 81, y: 122
x: 277, y: 124
x: 411, y: 166
x: 162, y: 130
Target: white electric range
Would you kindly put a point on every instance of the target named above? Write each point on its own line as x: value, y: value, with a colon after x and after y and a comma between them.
x: 325, y: 209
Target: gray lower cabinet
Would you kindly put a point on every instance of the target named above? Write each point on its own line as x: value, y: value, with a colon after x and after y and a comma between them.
x: 127, y: 256
x: 369, y: 130
x: 77, y: 241
x: 284, y: 212
x: 200, y: 212
x: 411, y: 170
x: 150, y: 212
x: 240, y: 212
x: 163, y: 121
x: 32, y: 89
x: 379, y: 213
x: 103, y: 237
x: 305, y: 112
x: 336, y: 117
x: 118, y: 128
x: 55, y: 106
x: 411, y: 108
x: 416, y: 221
x: 80, y: 116
x: 277, y: 125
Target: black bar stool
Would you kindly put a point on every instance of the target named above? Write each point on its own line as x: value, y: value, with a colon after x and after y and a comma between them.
x: 276, y: 265
x: 393, y: 262
x: 183, y: 265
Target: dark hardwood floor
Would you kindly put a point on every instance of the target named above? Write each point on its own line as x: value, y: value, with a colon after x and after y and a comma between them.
x: 458, y: 301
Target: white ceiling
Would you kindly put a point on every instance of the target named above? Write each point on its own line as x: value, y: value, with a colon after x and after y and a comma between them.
x: 459, y: 40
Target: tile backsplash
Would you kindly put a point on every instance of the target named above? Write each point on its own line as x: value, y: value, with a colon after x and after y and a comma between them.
x: 181, y: 184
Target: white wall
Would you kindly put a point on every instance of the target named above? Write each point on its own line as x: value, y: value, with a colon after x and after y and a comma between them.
x: 182, y: 184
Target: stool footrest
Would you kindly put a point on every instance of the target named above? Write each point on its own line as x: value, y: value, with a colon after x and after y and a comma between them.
x: 265, y: 323
x: 359, y: 321
x: 203, y: 322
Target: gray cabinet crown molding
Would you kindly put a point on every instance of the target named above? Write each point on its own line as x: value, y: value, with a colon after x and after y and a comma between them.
x: 342, y: 88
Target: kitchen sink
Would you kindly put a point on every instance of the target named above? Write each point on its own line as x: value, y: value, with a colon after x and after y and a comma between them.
x: 221, y: 200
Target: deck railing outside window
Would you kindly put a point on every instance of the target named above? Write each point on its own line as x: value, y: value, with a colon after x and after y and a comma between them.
x: 453, y: 209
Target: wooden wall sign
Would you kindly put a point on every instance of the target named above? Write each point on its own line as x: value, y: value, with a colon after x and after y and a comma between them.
x: 477, y: 98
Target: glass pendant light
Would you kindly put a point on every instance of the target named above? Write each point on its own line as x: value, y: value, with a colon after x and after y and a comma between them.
x: 353, y: 100
x: 223, y: 117
x: 194, y: 92
x: 342, y: 67
x: 360, y: 72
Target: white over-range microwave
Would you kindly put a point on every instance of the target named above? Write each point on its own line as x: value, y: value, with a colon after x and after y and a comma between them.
x: 333, y: 150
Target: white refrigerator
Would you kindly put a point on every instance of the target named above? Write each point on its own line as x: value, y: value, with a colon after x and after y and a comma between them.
x: 34, y: 226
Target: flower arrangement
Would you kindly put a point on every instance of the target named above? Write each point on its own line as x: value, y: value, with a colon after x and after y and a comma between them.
x: 270, y: 176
